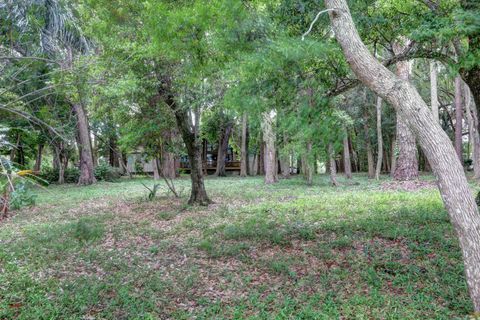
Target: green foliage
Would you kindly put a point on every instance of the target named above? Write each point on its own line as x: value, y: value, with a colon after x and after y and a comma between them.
x: 51, y: 175
x: 22, y: 196
x: 152, y: 192
x: 105, y: 172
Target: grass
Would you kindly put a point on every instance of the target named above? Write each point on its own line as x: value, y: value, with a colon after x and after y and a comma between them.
x: 286, y: 251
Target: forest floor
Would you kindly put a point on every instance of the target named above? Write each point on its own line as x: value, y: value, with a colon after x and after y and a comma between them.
x: 365, y: 250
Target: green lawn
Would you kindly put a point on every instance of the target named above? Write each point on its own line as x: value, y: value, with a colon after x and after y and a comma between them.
x: 286, y: 251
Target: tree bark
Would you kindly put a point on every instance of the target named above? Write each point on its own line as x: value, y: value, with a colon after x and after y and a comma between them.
x: 347, y: 162
x: 271, y: 174
x: 433, y: 90
x: 332, y: 166
x: 309, y: 166
x: 38, y: 160
x: 87, y: 176
x: 393, y: 156
x: 244, y: 151
x: 156, y: 169
x: 453, y: 185
x: 222, y: 149
x: 459, y: 118
x: 378, y: 169
x: 368, y: 145
x: 407, y: 161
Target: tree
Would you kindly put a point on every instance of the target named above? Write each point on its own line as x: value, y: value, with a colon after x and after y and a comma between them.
x: 378, y: 168
x: 436, y: 145
x: 244, y: 148
x: 406, y: 165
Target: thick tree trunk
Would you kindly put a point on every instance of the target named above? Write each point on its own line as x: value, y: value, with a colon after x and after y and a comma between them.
x: 393, y: 156
x: 271, y: 172
x: 332, y: 166
x: 433, y: 90
x: 378, y: 169
x: 156, y: 169
x: 453, y: 185
x: 222, y: 150
x: 168, y: 165
x: 38, y: 160
x: 85, y: 146
x: 459, y: 118
x: 347, y: 162
x: 244, y: 148
x: 407, y: 161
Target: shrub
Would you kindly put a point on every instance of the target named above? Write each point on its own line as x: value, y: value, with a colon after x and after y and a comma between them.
x: 51, y: 175
x: 105, y: 172
x: 22, y: 196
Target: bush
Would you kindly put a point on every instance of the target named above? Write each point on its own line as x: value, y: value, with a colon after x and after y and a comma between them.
x: 22, y: 196
x: 104, y: 172
x: 51, y: 175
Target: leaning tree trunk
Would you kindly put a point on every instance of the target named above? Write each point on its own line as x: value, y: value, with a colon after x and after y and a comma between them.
x: 38, y: 160
x: 407, y: 161
x: 458, y: 118
x: 378, y: 169
x: 347, y: 163
x: 87, y: 175
x: 438, y: 148
x: 271, y: 174
x: 222, y: 150
x: 244, y: 151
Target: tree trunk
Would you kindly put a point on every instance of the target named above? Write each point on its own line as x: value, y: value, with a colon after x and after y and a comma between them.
x: 393, y: 156
x: 433, y: 90
x: 453, y: 185
x: 261, y: 159
x: 285, y: 159
x: 309, y: 166
x: 168, y: 165
x: 85, y: 146
x: 332, y: 166
x: 222, y: 150
x: 156, y: 169
x: 407, y: 161
x: 458, y: 118
x: 378, y: 169
x: 244, y: 151
x: 271, y: 173
x: 113, y: 151
x: 368, y: 145
x: 38, y: 160
x: 472, y: 118
x: 347, y: 163
x: 192, y: 142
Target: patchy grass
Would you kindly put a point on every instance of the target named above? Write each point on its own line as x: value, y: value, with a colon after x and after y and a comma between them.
x: 268, y: 252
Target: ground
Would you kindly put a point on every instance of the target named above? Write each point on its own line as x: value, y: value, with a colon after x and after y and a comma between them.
x: 365, y: 250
